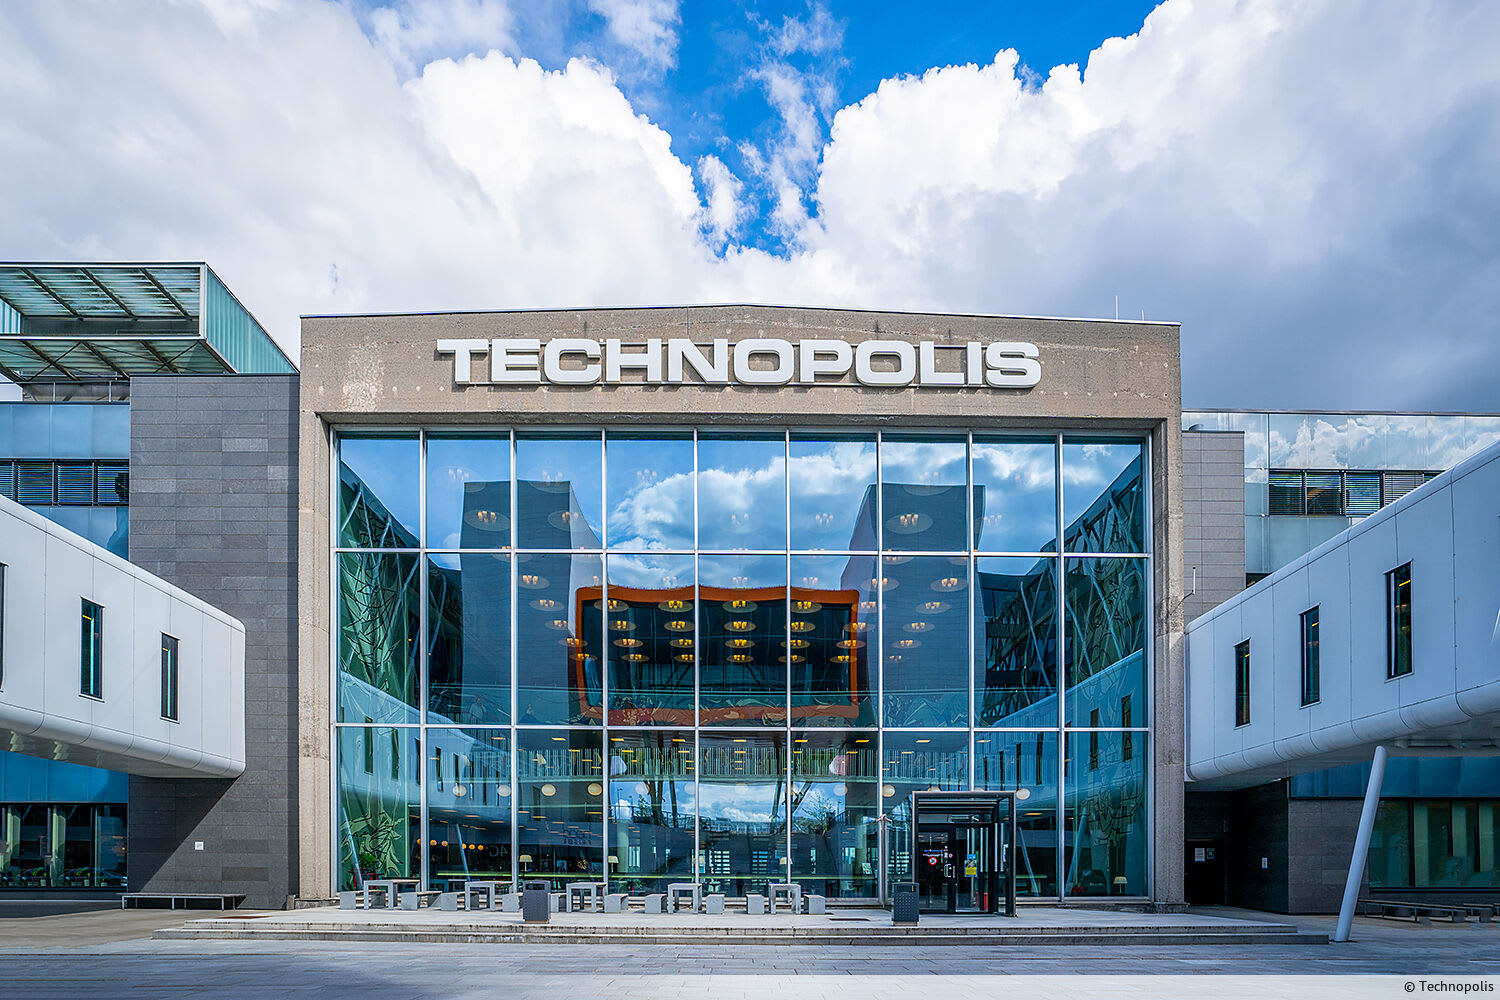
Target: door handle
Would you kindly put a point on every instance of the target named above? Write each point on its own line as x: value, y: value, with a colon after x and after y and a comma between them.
x: 947, y: 871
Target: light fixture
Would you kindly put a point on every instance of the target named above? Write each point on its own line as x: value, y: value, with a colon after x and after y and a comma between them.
x: 933, y: 607
x: 629, y: 643
x: 531, y: 581
x: 803, y: 626
x: 882, y: 581
x: 1022, y: 794
x: 614, y: 604
x: 503, y: 791
x: 673, y: 605
x: 678, y: 625
x: 459, y: 791
x: 549, y: 790
x: 738, y: 643
x: 682, y: 643
x: 885, y: 790
x: 856, y: 627
x: 546, y: 604
x: 635, y: 657
x: 561, y: 519
x: 622, y: 625
x: 740, y: 658
x: 867, y: 605
x: 683, y: 657
x: 740, y: 626
x: 740, y: 607
x: 948, y: 584
x: 560, y: 624
x: 841, y: 658
x: 850, y: 644
x: 906, y: 643
x: 918, y: 626
x: 908, y: 523
x: 794, y: 658
x: 595, y: 788
x: 614, y: 860
x: 796, y: 644
x: 806, y: 607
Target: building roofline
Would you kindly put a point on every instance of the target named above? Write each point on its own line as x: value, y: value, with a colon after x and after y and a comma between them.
x: 1341, y: 413
x: 736, y: 305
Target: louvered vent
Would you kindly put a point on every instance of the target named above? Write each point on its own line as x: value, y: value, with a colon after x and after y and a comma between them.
x: 114, y: 483
x: 75, y: 483
x: 34, y: 483
x: 1325, y: 494
x: 1361, y: 493
x: 1286, y: 492
x: 1398, y: 484
x: 8, y: 480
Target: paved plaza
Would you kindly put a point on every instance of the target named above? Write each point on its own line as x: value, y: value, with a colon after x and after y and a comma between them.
x: 108, y: 953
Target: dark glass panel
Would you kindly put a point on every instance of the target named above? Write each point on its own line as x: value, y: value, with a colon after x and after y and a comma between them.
x: 742, y: 811
x: 914, y: 762
x: 832, y: 483
x: 1390, y: 846
x: 1105, y: 638
x: 379, y: 804
x: 1015, y: 494
x: 378, y: 628
x: 650, y: 490
x: 742, y: 633
x: 1104, y: 818
x: 468, y: 491
x: 1006, y: 761
x: 559, y: 491
x: 468, y: 639
x: 651, y: 645
x: 1103, y: 496
x: 741, y: 492
x: 923, y: 484
x: 559, y: 638
x: 653, y: 784
x: 835, y: 806
x: 109, y: 843
x: 468, y: 804
x: 560, y: 814
x: 926, y: 641
x: 1015, y: 642
x: 834, y: 640
x: 379, y: 491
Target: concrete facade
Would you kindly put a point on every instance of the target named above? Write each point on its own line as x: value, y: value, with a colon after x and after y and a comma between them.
x: 1213, y: 519
x: 385, y: 370
x: 213, y: 510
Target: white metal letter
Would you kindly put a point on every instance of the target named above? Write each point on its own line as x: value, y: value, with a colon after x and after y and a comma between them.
x: 824, y: 357
x: 927, y: 370
x: 462, y: 350
x: 715, y: 372
x: 552, y: 369
x: 974, y: 362
x: 906, y: 362
x: 747, y: 349
x: 648, y: 360
x: 514, y: 360
x: 1012, y: 366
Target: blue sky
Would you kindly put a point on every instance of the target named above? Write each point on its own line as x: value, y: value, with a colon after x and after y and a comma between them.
x: 1307, y: 186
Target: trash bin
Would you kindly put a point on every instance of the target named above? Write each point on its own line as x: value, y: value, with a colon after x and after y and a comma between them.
x: 536, y: 902
x: 904, y: 903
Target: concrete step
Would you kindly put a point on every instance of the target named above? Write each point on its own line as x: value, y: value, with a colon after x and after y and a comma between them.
x: 1206, y: 934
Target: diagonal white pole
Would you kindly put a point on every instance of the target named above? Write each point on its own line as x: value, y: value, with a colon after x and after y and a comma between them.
x: 1361, y: 845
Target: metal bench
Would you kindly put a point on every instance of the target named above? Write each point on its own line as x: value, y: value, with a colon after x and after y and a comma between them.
x: 1422, y: 913
x: 656, y: 903
x: 222, y: 900
x: 418, y: 898
x: 616, y: 902
x: 713, y: 903
x: 816, y: 904
x: 755, y: 903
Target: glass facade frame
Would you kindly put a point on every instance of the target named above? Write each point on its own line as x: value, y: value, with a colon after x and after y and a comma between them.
x: 1059, y: 555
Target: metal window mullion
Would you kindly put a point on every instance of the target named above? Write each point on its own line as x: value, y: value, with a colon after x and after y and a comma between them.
x: 424, y: 863
x: 604, y: 654
x: 786, y: 633
x: 697, y: 679
x: 335, y: 750
x: 973, y: 571
x: 1060, y: 666
x: 515, y: 675
x: 1148, y: 529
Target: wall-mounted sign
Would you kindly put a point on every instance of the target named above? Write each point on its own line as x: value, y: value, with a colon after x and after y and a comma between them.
x: 758, y: 361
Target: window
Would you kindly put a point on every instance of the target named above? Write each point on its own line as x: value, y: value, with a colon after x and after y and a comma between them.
x: 1351, y: 493
x: 169, y: 677
x: 1310, y: 676
x: 2, y: 624
x: 1242, y: 684
x: 91, y: 651
x: 1398, y: 622
x: 45, y: 483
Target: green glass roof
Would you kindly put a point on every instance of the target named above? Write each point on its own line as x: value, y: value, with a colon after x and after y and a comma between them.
x: 73, y: 321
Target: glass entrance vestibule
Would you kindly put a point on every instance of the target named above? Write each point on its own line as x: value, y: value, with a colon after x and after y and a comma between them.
x: 963, y: 851
x: 649, y: 656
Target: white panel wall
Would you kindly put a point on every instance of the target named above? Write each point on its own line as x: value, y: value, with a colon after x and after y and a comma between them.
x: 49, y: 572
x: 1449, y: 530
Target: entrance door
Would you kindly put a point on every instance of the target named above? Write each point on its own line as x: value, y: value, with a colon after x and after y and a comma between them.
x: 978, y: 881
x: 937, y: 869
x: 1205, y: 872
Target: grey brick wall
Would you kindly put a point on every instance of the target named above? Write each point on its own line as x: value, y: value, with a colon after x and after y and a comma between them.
x: 1213, y: 518
x: 213, y: 509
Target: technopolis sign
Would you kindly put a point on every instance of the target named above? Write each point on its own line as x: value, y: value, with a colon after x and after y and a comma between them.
x: 756, y: 362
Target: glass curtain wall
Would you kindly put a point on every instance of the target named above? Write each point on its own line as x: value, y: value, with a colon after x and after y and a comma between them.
x: 654, y: 656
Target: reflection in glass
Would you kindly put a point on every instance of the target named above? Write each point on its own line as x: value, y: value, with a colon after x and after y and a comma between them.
x: 379, y: 804
x: 559, y: 639
x: 652, y: 809
x: 1015, y: 642
x: 650, y: 644
x: 379, y: 491
x: 834, y: 639
x: 832, y: 483
x: 926, y: 641
x: 378, y: 632
x: 1103, y: 496
x: 835, y: 805
x: 468, y: 804
x: 741, y: 492
x: 1105, y: 652
x: 1015, y: 494
x: 559, y: 490
x: 468, y: 645
x: 742, y: 634
x: 468, y: 491
x: 650, y: 490
x: 1008, y: 761
x: 560, y: 812
x: 742, y: 811
x: 914, y: 762
x: 923, y: 484
x: 1104, y: 817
